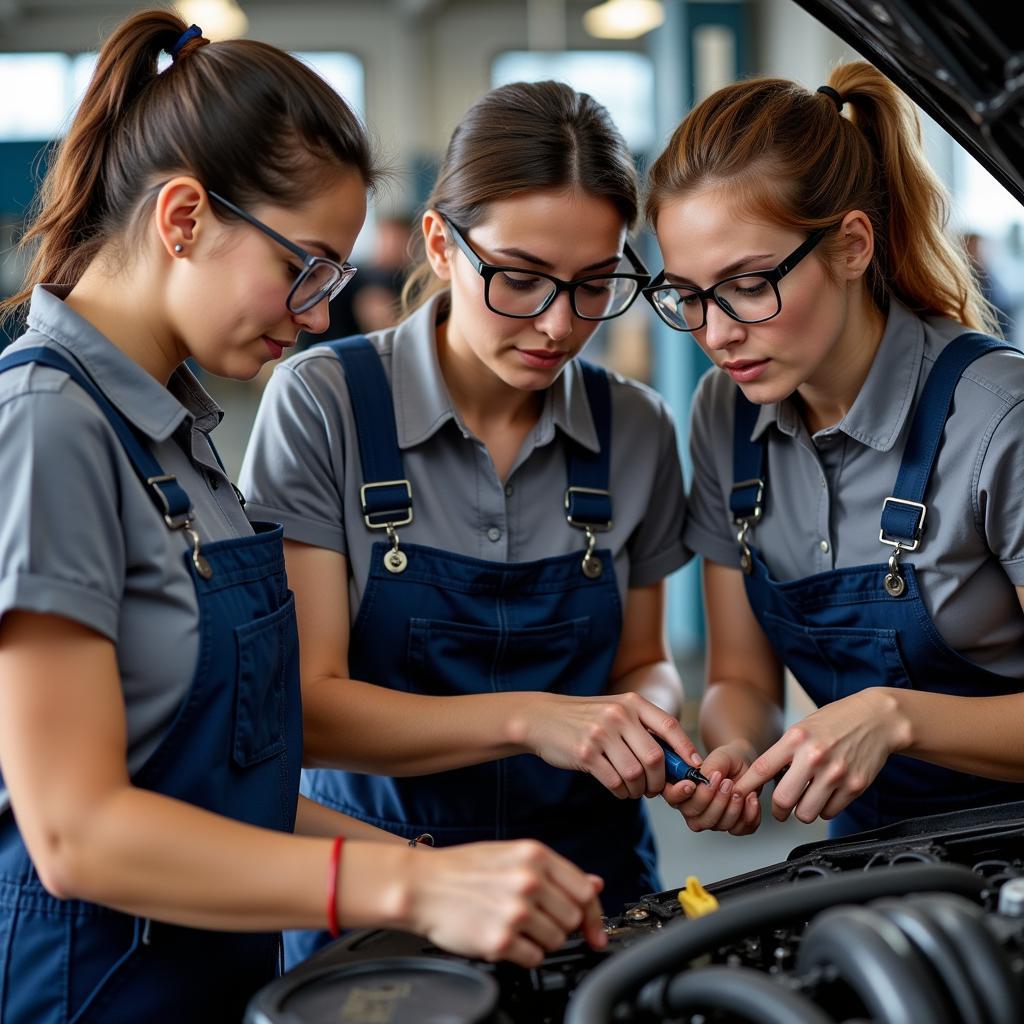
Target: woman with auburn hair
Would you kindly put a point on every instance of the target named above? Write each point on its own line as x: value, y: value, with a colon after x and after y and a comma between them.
x: 857, y: 461
x: 478, y: 525
x: 150, y: 722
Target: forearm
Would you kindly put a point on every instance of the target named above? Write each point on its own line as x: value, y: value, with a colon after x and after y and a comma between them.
x: 156, y: 857
x: 657, y: 682
x: 366, y: 728
x: 314, y: 819
x: 980, y: 735
x: 736, y: 711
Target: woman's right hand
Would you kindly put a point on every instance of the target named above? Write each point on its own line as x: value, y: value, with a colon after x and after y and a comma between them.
x: 608, y: 737
x: 719, y: 806
x: 502, y: 900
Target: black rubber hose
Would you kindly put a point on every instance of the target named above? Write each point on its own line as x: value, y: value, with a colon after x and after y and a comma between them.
x: 939, y: 949
x: 875, y: 959
x: 741, y: 992
x: 981, y: 953
x: 673, y: 947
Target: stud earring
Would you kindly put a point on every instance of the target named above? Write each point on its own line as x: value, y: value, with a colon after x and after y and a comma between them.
x: 179, y: 247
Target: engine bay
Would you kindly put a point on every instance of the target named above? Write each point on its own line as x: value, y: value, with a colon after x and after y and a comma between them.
x: 917, y: 923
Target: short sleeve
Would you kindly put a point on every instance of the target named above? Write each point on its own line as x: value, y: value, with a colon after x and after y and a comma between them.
x: 656, y: 547
x: 708, y: 522
x: 62, y: 549
x: 294, y: 464
x: 1000, y: 493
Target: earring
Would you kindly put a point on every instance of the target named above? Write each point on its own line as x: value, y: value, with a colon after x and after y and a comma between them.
x: 179, y: 248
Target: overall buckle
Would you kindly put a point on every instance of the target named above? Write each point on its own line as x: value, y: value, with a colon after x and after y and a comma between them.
x: 918, y: 528
x: 597, y: 526
x: 386, y: 517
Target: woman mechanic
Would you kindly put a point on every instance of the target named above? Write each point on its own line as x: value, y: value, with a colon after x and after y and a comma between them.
x: 150, y: 725
x: 479, y: 526
x: 857, y: 462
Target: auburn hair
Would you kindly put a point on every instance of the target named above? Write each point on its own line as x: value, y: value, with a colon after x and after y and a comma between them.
x: 247, y: 119
x: 794, y: 159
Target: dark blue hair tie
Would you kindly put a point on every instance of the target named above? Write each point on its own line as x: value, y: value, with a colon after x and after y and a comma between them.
x: 192, y: 32
x: 833, y: 96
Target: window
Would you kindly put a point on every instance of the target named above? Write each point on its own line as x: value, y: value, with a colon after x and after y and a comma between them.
x: 621, y: 81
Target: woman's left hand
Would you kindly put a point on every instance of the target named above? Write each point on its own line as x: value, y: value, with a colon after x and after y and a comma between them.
x: 830, y: 757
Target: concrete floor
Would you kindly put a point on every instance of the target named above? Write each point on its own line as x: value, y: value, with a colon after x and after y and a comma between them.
x: 711, y: 856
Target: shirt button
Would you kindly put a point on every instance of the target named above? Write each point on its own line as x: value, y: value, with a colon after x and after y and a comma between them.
x: 494, y: 534
x: 824, y: 546
x: 508, y: 490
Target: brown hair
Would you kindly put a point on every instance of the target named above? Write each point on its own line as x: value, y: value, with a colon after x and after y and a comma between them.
x: 527, y: 137
x: 248, y: 120
x: 795, y: 160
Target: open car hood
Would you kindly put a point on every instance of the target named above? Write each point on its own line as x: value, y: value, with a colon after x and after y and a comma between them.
x: 962, y: 61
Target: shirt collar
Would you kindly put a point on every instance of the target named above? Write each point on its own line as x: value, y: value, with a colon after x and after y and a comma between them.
x: 153, y: 409
x: 883, y: 404
x: 423, y: 404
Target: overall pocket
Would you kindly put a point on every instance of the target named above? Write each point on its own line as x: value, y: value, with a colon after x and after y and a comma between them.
x: 265, y: 651
x: 832, y: 662
x: 451, y: 658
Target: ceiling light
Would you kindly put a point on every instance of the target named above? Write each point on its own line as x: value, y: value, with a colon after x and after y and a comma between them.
x: 219, y: 19
x: 623, y: 19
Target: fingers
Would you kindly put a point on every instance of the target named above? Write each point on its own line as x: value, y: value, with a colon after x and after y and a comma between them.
x: 750, y: 817
x: 770, y: 763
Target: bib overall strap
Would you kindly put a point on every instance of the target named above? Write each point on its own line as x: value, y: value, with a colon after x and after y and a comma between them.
x: 166, y: 493
x: 904, y: 511
x: 746, y: 500
x: 386, y: 494
x: 588, y: 502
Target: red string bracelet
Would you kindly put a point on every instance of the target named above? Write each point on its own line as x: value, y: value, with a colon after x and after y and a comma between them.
x: 332, y: 887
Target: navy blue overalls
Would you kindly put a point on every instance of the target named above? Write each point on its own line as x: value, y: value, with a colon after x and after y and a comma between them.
x: 444, y: 624
x: 842, y: 631
x: 234, y: 748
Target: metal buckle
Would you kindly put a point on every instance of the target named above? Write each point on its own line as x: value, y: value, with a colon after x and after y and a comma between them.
x: 920, y: 526
x: 174, y: 522
x: 758, y: 509
x: 384, y: 512
x: 578, y: 523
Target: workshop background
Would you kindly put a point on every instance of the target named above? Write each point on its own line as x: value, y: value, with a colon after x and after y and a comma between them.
x: 411, y: 68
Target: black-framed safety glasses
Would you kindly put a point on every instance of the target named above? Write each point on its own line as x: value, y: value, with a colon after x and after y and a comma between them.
x: 750, y: 297
x: 320, y: 278
x: 522, y: 293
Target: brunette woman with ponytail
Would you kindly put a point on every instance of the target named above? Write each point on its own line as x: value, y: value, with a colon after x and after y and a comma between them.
x: 857, y: 461
x: 478, y: 524
x: 152, y: 840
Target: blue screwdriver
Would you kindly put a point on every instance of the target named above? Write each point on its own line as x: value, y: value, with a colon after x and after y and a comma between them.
x: 676, y: 769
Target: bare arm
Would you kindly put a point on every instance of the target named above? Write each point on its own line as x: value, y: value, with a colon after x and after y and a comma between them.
x: 94, y: 836
x: 836, y: 752
x: 364, y: 727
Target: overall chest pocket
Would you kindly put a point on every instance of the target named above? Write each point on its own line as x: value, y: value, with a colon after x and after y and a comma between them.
x: 267, y: 652
x: 831, y: 662
x: 451, y: 658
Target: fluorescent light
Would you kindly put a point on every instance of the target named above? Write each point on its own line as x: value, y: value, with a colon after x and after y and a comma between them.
x: 219, y: 19
x: 623, y: 19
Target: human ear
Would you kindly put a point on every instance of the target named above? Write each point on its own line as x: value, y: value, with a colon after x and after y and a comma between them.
x: 436, y: 244
x: 180, y: 207
x: 857, y: 245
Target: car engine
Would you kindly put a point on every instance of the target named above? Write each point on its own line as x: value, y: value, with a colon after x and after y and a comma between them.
x: 917, y: 923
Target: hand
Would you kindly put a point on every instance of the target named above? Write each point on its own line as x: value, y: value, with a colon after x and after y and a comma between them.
x: 503, y: 901
x: 720, y: 806
x: 608, y: 737
x: 830, y: 757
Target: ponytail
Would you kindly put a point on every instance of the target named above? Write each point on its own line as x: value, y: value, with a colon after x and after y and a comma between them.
x: 795, y: 159
x: 248, y: 120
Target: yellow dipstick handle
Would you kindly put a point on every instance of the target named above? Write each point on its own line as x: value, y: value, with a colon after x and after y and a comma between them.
x: 695, y: 900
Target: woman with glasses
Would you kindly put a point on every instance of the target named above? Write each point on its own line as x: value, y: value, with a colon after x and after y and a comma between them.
x: 478, y: 525
x: 857, y: 462
x: 150, y: 723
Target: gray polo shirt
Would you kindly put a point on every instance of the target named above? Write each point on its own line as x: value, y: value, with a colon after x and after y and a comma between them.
x: 825, y: 492
x: 80, y: 537
x: 302, y: 465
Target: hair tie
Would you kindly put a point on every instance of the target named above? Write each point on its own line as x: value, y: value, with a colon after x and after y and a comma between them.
x: 832, y: 95
x: 192, y: 32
